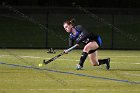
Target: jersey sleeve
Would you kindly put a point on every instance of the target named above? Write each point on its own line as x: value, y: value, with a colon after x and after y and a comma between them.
x: 71, y: 42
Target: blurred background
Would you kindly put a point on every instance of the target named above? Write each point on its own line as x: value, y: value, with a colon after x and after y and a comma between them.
x: 39, y: 23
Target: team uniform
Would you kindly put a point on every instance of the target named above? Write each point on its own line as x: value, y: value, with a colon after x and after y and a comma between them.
x: 83, y: 36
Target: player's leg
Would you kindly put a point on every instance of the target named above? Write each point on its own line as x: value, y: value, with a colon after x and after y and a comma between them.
x: 93, y: 57
x: 105, y: 61
x: 82, y: 60
x: 97, y: 62
x: 90, y: 46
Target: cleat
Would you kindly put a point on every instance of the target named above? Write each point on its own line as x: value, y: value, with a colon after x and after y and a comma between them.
x: 78, y: 67
x: 108, y: 64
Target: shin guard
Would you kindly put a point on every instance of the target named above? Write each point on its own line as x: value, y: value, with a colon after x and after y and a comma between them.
x: 83, y: 58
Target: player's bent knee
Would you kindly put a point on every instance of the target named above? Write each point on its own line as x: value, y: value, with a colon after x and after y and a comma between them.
x: 94, y: 63
x: 86, y: 49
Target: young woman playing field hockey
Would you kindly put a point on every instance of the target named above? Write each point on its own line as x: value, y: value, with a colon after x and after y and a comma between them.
x: 91, y: 42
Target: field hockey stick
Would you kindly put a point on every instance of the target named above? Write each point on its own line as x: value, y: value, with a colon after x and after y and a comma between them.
x: 64, y: 52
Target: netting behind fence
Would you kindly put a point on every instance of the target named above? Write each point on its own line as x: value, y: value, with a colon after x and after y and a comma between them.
x: 43, y: 27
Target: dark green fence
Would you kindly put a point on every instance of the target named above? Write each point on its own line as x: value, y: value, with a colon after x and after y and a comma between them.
x: 43, y: 27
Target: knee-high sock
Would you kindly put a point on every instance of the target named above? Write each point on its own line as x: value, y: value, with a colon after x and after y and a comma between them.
x: 83, y: 58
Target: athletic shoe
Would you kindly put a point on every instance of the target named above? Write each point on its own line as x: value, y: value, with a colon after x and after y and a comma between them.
x: 78, y: 67
x: 108, y: 64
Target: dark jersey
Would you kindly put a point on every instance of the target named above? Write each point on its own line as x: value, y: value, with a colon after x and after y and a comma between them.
x: 82, y: 36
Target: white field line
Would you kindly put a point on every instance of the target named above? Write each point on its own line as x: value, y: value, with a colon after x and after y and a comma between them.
x: 48, y: 89
x: 48, y: 80
x: 71, y: 56
x: 72, y: 89
x: 136, y: 63
x: 121, y: 56
x: 36, y: 57
x: 128, y: 74
x: 126, y: 62
x: 45, y: 58
x: 4, y: 55
x: 30, y: 57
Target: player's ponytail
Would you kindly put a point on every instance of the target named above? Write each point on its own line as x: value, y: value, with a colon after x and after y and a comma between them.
x: 70, y: 21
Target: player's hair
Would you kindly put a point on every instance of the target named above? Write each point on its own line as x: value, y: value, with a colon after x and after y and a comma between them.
x: 70, y: 21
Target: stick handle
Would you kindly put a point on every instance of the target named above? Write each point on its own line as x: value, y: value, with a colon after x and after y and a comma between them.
x: 68, y: 50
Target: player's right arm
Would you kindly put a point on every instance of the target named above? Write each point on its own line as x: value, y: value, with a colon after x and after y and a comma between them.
x: 71, y: 42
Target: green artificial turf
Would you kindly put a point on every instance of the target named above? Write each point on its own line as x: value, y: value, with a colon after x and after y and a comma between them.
x: 60, y: 76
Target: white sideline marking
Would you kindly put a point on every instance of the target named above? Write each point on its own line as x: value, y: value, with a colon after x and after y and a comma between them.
x: 138, y: 75
x: 47, y: 89
x: 29, y: 57
x: 46, y: 58
x: 74, y: 56
x: 36, y: 57
x: 126, y: 62
x: 4, y: 55
x: 120, y: 56
x: 47, y: 80
x: 72, y: 89
x: 136, y: 63
x: 77, y: 56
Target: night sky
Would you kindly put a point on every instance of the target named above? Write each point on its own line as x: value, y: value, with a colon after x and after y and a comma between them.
x: 83, y: 3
